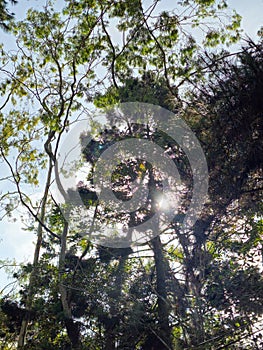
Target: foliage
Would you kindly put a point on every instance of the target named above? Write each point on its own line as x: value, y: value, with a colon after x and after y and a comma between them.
x: 202, y: 291
x: 5, y: 15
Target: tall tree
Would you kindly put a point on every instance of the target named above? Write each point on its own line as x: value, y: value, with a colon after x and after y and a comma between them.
x: 235, y: 192
x: 54, y: 76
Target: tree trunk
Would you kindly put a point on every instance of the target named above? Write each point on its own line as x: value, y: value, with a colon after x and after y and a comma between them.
x: 162, y: 340
x: 72, y: 327
x: 32, y: 280
x: 73, y: 333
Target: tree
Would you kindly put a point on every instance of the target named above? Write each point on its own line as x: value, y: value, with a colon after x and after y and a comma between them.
x: 5, y: 16
x: 225, y: 107
x: 234, y: 192
x: 54, y: 76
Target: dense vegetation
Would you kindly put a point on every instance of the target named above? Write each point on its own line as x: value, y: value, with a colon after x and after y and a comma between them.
x: 202, y: 289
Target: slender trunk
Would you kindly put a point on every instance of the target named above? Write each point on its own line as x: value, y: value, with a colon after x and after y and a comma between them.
x: 32, y: 280
x: 163, y: 340
x: 72, y: 327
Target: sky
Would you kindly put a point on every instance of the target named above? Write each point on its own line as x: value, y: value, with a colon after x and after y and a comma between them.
x: 18, y: 244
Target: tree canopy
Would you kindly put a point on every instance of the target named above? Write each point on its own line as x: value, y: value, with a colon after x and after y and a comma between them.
x: 195, y: 289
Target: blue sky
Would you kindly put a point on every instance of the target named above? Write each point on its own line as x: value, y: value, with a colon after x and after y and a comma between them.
x: 18, y: 244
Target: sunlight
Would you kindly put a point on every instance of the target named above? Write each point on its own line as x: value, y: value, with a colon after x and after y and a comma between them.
x: 163, y: 203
